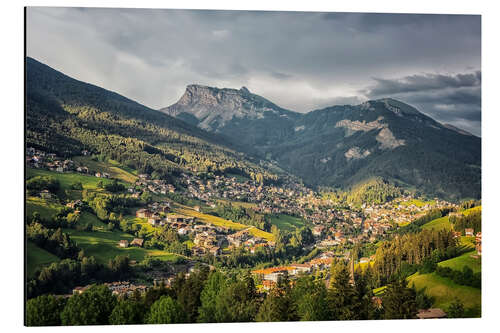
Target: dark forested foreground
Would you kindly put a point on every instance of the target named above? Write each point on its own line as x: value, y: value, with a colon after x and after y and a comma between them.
x: 204, y: 295
x: 211, y: 297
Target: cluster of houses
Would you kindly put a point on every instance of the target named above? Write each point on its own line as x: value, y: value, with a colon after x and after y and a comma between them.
x: 145, y: 183
x: 402, y: 210
x: 119, y: 288
x: 331, y: 225
x: 271, y: 276
x: 41, y: 160
x: 207, y: 238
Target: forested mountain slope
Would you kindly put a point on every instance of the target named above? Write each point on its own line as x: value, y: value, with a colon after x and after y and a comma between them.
x: 65, y: 116
x: 343, y: 145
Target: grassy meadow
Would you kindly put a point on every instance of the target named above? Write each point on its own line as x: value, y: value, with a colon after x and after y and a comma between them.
x: 114, y: 169
x: 103, y: 245
x: 445, y: 291
x: 466, y: 259
x: 438, y: 224
x: 37, y: 257
x: 444, y: 222
x: 287, y: 222
x: 66, y: 179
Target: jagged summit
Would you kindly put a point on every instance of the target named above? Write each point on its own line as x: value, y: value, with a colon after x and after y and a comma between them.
x: 212, y: 108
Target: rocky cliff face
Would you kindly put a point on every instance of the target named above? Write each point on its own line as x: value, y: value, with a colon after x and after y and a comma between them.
x: 214, y: 108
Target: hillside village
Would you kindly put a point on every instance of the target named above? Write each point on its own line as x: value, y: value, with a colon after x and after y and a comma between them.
x: 330, y: 225
x: 336, y: 228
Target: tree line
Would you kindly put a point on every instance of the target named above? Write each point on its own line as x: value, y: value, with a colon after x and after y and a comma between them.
x: 214, y: 297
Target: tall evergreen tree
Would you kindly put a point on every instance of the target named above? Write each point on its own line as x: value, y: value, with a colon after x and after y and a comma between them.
x: 399, y: 301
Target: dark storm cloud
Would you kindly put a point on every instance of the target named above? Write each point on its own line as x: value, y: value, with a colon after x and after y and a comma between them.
x: 301, y: 61
x: 415, y: 83
x: 454, y: 99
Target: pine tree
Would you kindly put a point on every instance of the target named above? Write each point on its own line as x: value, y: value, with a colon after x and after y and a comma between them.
x: 342, y: 294
x: 399, y: 301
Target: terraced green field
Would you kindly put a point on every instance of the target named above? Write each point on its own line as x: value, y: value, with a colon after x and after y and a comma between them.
x: 103, y: 245
x: 444, y: 290
x: 460, y: 262
x: 287, y: 222
x: 37, y: 257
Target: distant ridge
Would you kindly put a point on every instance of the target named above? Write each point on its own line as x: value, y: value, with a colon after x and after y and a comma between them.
x: 456, y: 129
x: 343, y: 145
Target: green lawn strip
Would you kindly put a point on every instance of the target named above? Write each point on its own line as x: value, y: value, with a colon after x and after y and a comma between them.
x: 438, y: 224
x: 103, y: 245
x: 286, y: 222
x: 36, y: 257
x: 460, y: 262
x: 68, y: 178
x: 417, y: 202
x: 445, y: 291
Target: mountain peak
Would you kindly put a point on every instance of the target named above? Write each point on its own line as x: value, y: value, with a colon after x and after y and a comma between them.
x: 211, y: 108
x: 398, y: 107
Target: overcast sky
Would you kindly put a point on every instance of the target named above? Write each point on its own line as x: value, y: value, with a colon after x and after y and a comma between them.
x: 300, y: 61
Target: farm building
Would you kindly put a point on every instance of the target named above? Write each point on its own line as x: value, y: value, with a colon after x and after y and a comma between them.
x: 123, y: 243
x: 137, y: 242
x: 143, y: 213
x: 431, y: 313
x: 154, y: 220
x: 180, y: 219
